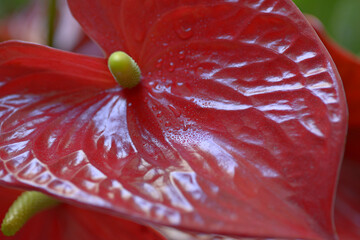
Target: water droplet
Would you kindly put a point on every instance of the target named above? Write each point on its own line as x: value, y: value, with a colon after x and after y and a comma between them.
x: 176, y: 112
x: 159, y: 63
x: 186, y: 127
x: 184, y: 32
x: 171, y: 67
x: 159, y: 114
x: 153, y: 85
x: 181, y: 55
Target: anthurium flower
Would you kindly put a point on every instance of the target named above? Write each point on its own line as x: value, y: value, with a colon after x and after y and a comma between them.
x: 236, y: 128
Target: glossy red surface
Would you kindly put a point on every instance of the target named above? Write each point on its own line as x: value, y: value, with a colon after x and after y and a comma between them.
x: 237, y: 127
x: 67, y: 222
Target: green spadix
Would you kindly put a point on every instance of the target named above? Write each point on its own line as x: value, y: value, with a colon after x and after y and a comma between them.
x: 124, y: 69
x: 25, y: 206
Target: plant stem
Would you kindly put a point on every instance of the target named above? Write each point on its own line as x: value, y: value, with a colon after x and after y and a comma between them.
x: 51, y: 14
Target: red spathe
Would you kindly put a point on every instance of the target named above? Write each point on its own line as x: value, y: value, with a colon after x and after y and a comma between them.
x: 237, y: 127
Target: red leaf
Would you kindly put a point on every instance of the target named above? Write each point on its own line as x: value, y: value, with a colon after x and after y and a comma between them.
x: 67, y: 222
x: 237, y: 128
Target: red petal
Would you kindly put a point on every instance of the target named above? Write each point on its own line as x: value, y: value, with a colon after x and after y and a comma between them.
x: 92, y: 14
x: 240, y: 134
x: 71, y: 223
x: 88, y: 47
x: 347, y: 208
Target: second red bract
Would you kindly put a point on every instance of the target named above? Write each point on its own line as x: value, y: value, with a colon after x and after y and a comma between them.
x: 237, y: 127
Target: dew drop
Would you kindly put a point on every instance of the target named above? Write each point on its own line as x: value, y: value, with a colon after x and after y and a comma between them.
x: 171, y: 67
x: 154, y: 85
x: 181, y: 55
x: 184, y: 32
x: 159, y: 63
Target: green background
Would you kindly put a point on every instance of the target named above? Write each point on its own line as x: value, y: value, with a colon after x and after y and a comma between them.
x: 340, y: 17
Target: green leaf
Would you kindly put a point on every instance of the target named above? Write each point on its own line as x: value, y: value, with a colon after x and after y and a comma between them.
x: 9, y: 6
x: 340, y: 18
x: 345, y: 24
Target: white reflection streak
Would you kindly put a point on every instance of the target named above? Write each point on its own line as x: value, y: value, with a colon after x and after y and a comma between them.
x: 220, y: 105
x: 271, y: 89
x: 305, y: 56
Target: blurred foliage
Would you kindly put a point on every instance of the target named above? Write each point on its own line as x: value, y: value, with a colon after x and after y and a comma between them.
x: 341, y: 19
x: 9, y: 6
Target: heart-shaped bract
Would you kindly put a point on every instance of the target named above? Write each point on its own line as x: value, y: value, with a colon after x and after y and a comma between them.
x: 237, y: 127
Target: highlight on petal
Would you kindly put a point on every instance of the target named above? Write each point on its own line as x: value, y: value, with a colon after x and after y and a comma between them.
x: 236, y: 129
x: 66, y: 222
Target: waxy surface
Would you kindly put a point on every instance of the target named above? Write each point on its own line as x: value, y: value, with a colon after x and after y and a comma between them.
x: 237, y: 127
